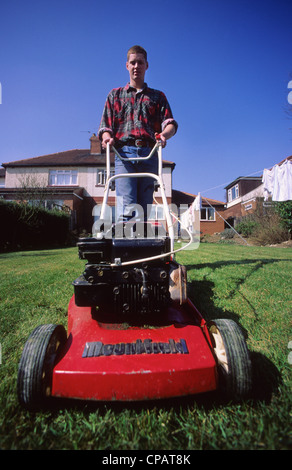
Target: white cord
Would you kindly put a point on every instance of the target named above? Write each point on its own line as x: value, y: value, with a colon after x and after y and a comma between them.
x: 164, y: 255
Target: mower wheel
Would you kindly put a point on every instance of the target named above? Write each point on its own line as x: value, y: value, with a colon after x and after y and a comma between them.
x: 234, y: 365
x: 36, y: 365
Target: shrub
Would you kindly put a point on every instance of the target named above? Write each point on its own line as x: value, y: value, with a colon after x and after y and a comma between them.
x: 227, y: 234
x: 247, y: 227
x: 25, y: 226
x: 268, y: 224
x: 284, y: 210
x: 270, y: 231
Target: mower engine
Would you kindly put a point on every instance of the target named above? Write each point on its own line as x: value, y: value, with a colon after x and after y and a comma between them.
x: 111, y: 280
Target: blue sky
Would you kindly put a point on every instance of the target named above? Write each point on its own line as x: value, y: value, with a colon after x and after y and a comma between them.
x: 223, y: 65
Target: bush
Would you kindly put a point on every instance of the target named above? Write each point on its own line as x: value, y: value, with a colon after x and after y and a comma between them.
x: 284, y: 210
x: 267, y: 225
x: 25, y: 226
x: 227, y: 234
x: 247, y: 227
x: 270, y: 231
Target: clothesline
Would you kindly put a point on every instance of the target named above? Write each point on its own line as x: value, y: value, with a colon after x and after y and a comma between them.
x: 277, y: 182
x: 225, y: 184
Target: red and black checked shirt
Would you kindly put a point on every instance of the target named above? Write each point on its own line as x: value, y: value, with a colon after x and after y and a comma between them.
x: 130, y: 115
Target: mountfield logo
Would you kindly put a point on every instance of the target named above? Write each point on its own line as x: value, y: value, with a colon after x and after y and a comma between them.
x: 97, y: 348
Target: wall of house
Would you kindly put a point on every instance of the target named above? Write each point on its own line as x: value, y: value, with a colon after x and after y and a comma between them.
x: 246, y: 186
x: 17, y: 176
x: 209, y: 227
x: 233, y: 212
x: 244, y: 205
x: 87, y: 179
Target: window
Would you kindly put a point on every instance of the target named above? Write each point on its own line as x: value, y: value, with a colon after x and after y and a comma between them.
x: 55, y: 204
x: 156, y: 213
x: 48, y: 204
x: 63, y: 178
x: 208, y: 213
x: 233, y: 193
x: 101, y: 176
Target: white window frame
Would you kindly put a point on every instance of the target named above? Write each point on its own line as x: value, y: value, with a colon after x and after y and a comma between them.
x: 156, y: 212
x: 101, y: 176
x: 63, y: 178
x: 208, y: 218
x: 233, y: 193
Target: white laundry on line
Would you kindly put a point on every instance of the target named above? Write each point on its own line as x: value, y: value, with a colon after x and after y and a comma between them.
x: 278, y: 182
x: 188, y: 217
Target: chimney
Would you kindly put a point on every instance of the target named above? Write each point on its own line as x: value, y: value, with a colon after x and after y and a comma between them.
x: 95, y: 145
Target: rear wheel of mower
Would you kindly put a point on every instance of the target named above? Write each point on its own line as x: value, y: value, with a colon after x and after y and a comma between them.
x: 36, y: 365
x: 234, y: 365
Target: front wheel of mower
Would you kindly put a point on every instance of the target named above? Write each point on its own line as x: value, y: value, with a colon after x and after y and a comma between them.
x: 36, y: 365
x: 234, y: 364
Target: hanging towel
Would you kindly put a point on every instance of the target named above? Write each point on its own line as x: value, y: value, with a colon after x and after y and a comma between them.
x: 197, y: 202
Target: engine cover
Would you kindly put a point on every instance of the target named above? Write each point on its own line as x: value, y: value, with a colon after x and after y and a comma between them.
x: 136, y: 289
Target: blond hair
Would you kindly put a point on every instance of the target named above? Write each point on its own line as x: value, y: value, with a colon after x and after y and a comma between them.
x: 137, y: 50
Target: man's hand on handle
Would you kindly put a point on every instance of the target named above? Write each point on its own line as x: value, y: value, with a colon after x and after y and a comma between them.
x: 107, y: 138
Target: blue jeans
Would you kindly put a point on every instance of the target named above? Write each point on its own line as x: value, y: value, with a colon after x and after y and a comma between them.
x: 133, y: 191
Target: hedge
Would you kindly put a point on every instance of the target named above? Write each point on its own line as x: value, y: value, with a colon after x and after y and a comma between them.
x: 24, y: 226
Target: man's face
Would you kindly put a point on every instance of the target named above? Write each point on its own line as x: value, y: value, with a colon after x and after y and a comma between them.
x: 137, y: 66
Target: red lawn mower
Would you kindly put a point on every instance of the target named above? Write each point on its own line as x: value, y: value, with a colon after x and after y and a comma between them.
x: 133, y: 334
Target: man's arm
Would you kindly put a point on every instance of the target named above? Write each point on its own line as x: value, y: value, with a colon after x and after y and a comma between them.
x: 166, y: 134
x: 168, y: 123
x: 105, y: 132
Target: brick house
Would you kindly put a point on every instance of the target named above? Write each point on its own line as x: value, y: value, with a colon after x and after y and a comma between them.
x: 241, y: 197
x: 211, y: 213
x: 75, y: 179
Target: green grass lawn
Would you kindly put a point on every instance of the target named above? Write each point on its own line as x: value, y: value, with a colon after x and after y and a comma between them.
x: 251, y: 285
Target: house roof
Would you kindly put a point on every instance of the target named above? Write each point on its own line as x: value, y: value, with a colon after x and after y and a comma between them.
x: 181, y: 197
x: 243, y: 178
x: 75, y: 157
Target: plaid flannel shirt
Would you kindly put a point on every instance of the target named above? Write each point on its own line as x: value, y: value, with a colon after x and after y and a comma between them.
x: 130, y: 114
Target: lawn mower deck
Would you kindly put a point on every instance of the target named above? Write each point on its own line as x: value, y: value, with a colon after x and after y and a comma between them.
x: 115, y: 361
x: 144, y: 340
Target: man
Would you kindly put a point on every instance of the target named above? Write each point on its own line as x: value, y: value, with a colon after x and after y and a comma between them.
x: 133, y: 117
